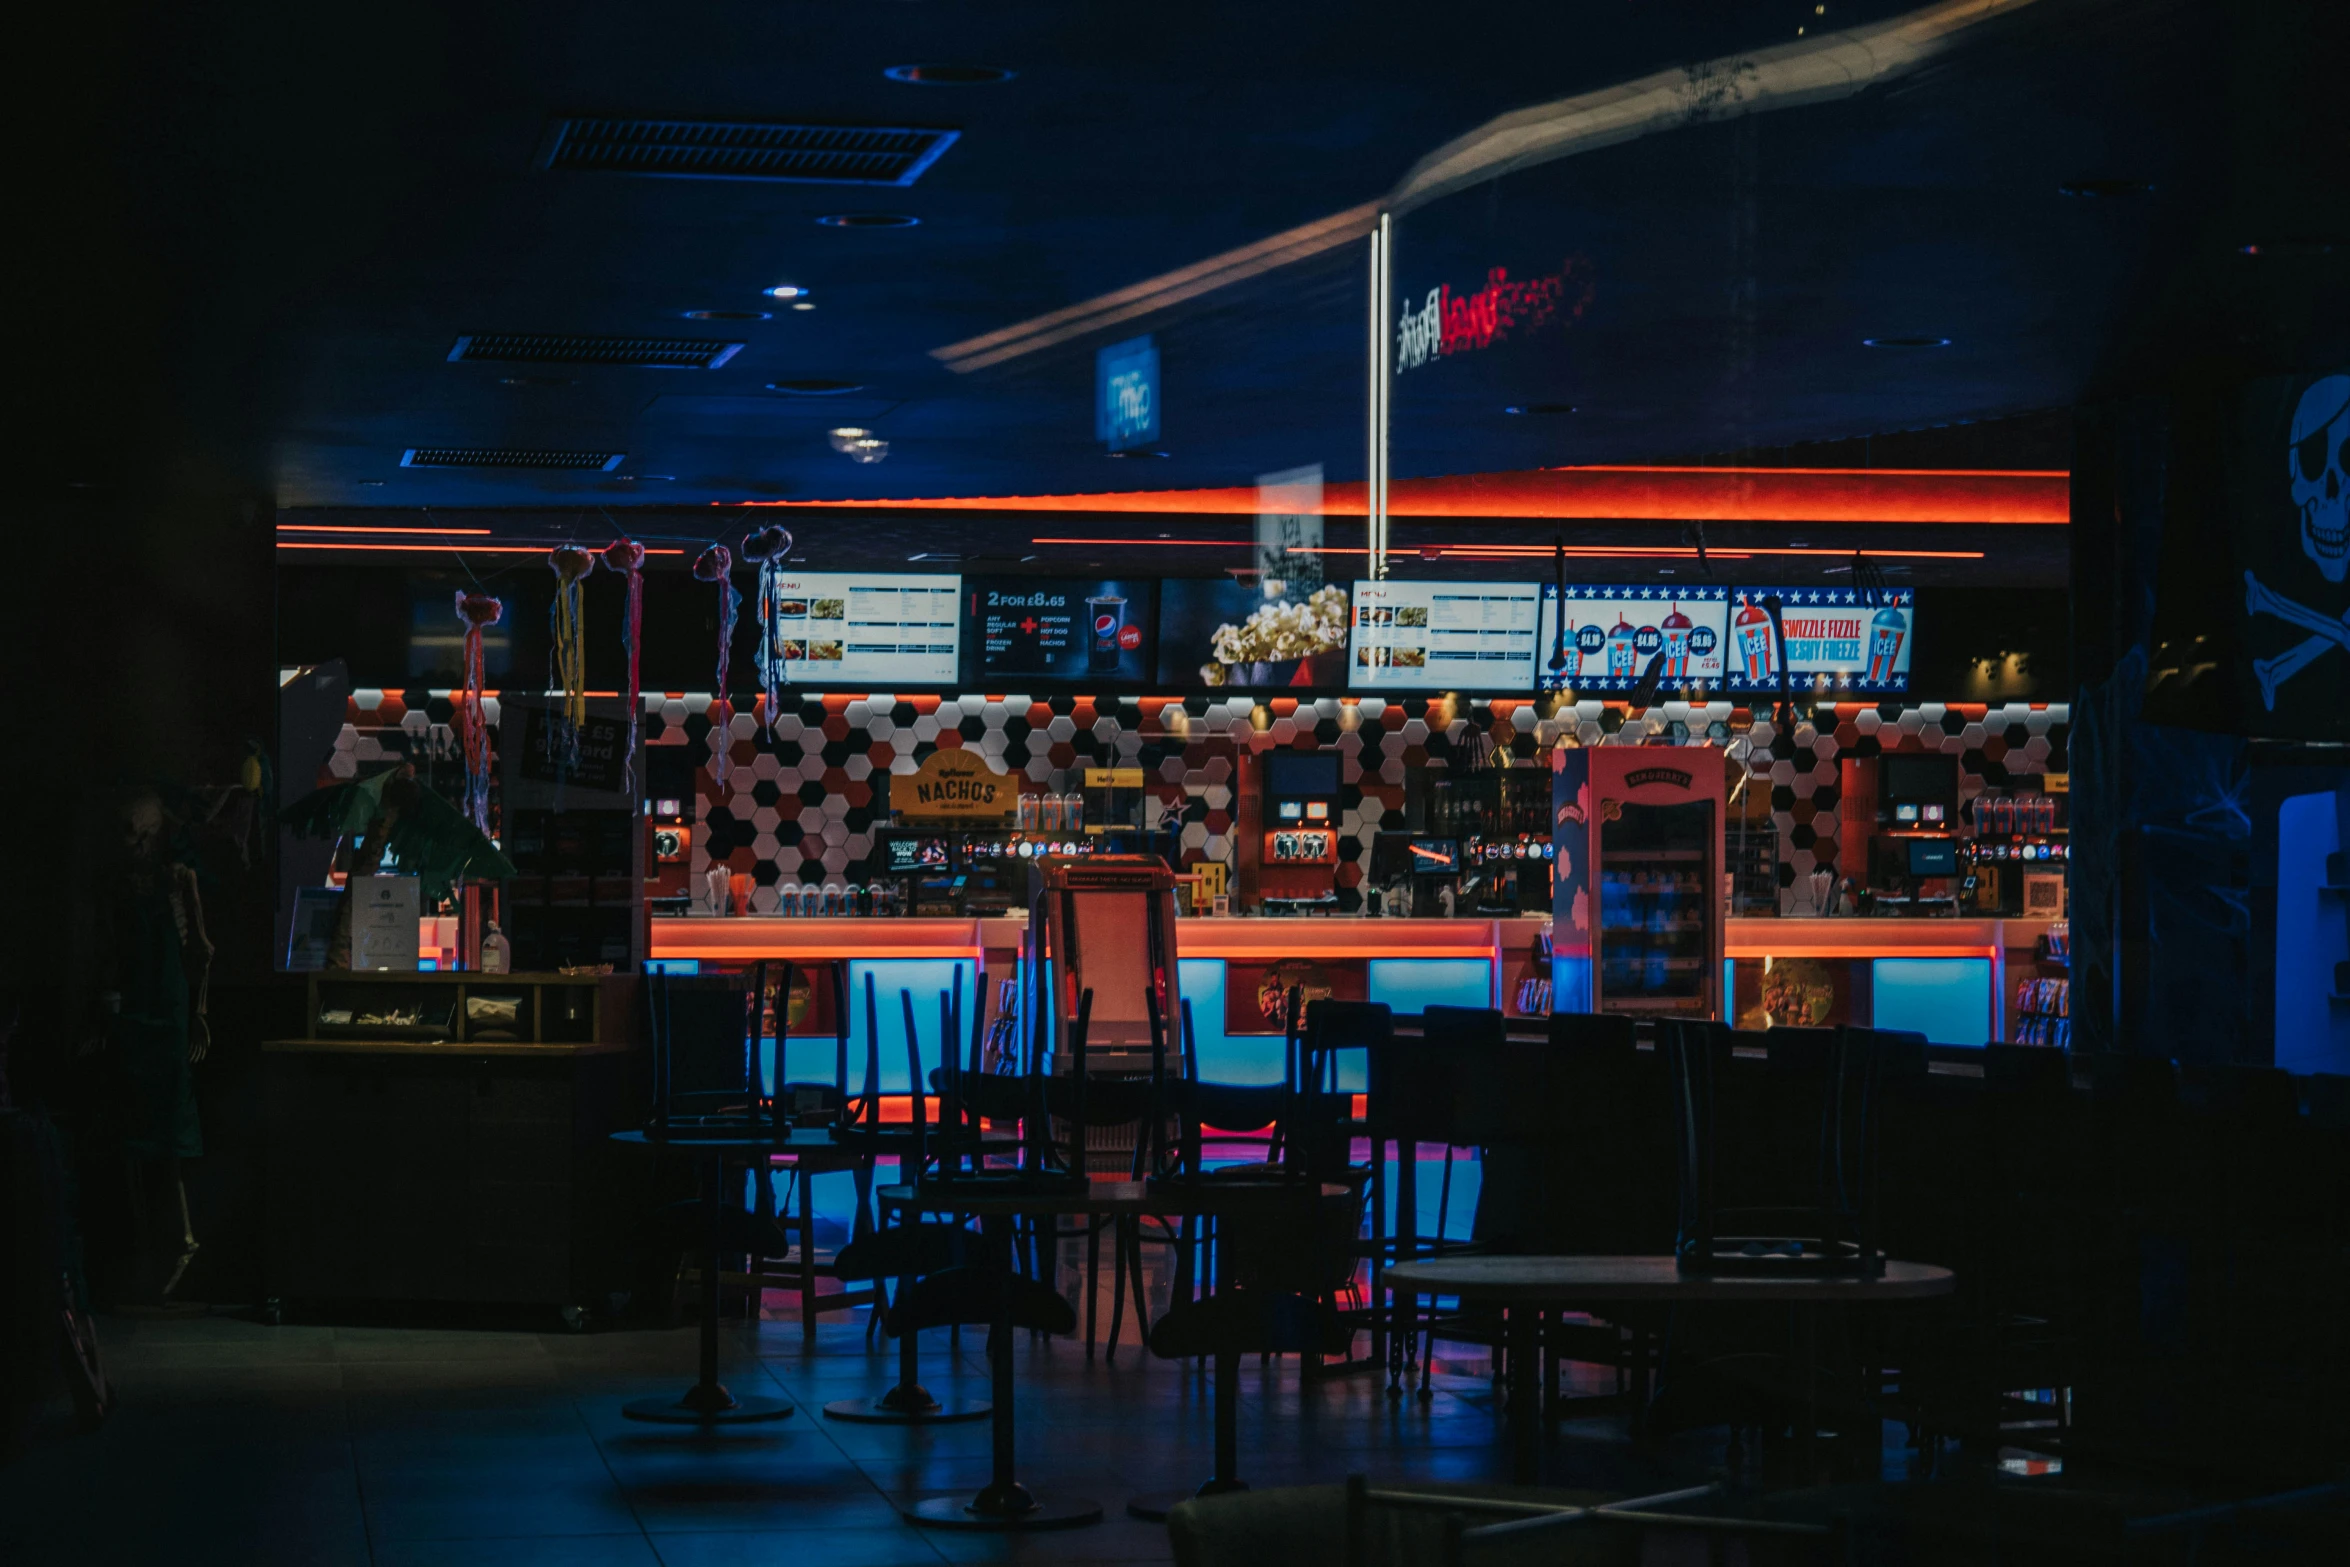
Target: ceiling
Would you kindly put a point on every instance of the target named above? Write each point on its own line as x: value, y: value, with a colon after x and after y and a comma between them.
x: 292, y: 217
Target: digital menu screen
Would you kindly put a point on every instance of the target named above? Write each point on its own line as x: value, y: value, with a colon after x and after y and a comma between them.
x: 1219, y: 633
x: 1614, y: 631
x: 1443, y: 636
x: 1060, y: 629
x: 874, y: 631
x: 1835, y: 641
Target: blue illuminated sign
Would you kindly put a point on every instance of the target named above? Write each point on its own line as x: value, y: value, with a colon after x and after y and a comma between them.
x: 1126, y: 394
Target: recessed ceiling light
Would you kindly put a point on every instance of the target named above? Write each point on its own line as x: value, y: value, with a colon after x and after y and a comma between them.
x: 844, y: 436
x: 803, y: 305
x: 814, y: 387
x: 786, y: 291
x: 1539, y: 408
x: 868, y: 220
x: 1905, y: 342
x: 2096, y: 188
x: 728, y: 315
x: 948, y: 75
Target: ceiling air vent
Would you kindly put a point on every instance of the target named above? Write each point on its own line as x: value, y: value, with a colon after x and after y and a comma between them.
x: 745, y: 150
x: 509, y: 457
x: 556, y: 348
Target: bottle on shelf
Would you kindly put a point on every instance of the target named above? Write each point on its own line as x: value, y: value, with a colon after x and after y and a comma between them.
x: 497, y: 954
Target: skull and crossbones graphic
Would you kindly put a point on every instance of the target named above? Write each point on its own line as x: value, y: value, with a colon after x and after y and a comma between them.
x: 2318, y: 456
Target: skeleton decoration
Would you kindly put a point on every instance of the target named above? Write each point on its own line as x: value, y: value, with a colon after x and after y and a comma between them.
x: 766, y: 549
x: 626, y: 557
x: 2321, y: 489
x: 479, y: 612
x: 568, y: 630
x: 2316, y: 458
x: 716, y: 564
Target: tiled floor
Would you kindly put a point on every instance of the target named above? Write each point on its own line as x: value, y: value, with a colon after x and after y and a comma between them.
x: 330, y: 1445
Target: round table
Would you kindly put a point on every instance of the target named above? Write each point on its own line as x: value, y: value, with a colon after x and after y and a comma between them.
x: 1004, y: 1503
x: 708, y: 1402
x: 1525, y: 1286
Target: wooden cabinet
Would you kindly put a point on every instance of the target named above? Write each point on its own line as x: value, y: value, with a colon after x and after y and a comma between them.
x: 463, y: 1170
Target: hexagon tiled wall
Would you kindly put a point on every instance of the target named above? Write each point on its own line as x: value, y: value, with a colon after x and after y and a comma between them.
x: 800, y: 803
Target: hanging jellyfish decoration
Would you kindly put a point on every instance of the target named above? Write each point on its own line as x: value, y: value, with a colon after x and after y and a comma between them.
x: 767, y: 549
x: 571, y: 566
x: 627, y: 557
x: 716, y: 564
x: 479, y: 612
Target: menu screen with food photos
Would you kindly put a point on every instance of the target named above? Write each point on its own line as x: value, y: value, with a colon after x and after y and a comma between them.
x: 1443, y: 636
x: 874, y: 631
x: 1616, y: 631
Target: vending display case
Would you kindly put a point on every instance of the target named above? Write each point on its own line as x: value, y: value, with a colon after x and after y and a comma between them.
x: 1637, y: 911
x: 1105, y: 924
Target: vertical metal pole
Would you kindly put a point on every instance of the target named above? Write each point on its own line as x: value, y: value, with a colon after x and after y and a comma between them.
x: 1381, y: 377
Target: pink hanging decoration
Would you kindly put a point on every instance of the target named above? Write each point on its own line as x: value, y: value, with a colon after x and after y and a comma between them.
x: 767, y: 548
x: 479, y: 611
x: 716, y: 564
x: 571, y: 566
x: 627, y: 556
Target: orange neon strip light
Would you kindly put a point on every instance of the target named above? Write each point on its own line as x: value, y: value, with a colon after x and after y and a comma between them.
x: 1626, y: 492
x: 328, y: 527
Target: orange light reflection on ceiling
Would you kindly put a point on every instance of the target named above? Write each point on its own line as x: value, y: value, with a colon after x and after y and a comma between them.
x: 1547, y: 552
x: 1609, y: 492
x: 459, y: 547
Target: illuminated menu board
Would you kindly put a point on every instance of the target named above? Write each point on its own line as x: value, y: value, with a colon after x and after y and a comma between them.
x: 1615, y: 631
x: 873, y: 631
x: 1838, y: 639
x: 1443, y: 636
x: 1061, y: 629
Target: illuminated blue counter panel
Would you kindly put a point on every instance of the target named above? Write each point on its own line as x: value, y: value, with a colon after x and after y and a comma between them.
x: 1406, y: 984
x: 1949, y: 1000
x: 810, y: 1059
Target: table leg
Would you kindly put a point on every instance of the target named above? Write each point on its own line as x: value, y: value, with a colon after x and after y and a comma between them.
x: 909, y: 1403
x: 1525, y: 1401
x: 1003, y: 1503
x: 1154, y: 1509
x: 708, y: 1402
x: 807, y: 1186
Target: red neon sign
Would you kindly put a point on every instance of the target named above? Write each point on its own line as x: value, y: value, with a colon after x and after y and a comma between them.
x: 1446, y: 323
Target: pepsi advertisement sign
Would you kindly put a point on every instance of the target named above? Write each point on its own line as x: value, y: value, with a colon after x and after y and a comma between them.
x: 1838, y: 639
x: 1061, y: 630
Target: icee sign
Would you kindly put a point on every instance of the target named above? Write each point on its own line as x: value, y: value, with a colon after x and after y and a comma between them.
x: 1837, y: 639
x: 1126, y: 394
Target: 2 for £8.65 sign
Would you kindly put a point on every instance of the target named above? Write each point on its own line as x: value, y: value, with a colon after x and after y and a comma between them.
x: 1126, y: 394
